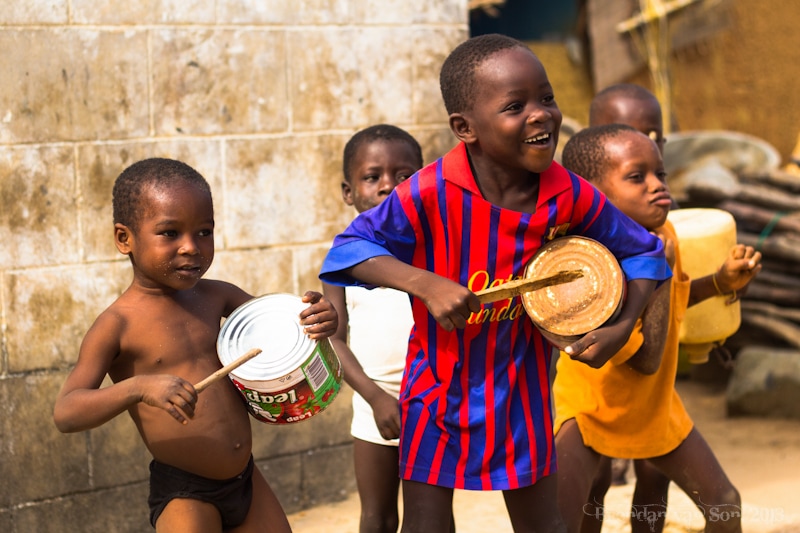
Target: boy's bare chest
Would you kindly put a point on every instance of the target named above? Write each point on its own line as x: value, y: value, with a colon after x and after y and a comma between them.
x: 170, y: 338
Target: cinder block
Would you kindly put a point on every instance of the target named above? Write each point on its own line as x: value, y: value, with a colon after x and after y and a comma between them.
x: 431, y: 48
x: 305, y: 12
x: 25, y: 12
x: 282, y: 440
x: 440, y: 12
x: 328, y: 475
x: 338, y: 81
x: 308, y: 261
x: 51, y: 311
x: 435, y: 142
x: 219, y: 81
x: 38, y: 210
x: 120, y: 510
x: 258, y: 272
x: 118, y: 455
x: 72, y: 84
x: 283, y: 474
x: 120, y: 12
x: 100, y: 164
x: 393, y: 12
x: 36, y: 461
x: 283, y: 190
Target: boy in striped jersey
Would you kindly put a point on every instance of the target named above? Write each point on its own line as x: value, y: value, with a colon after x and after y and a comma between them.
x: 475, y: 399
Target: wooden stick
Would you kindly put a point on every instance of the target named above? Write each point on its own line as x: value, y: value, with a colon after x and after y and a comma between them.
x: 746, y: 193
x: 778, y: 327
x: 770, y: 310
x: 773, y: 176
x: 225, y: 370
x: 784, y: 246
x: 519, y: 286
x: 761, y: 216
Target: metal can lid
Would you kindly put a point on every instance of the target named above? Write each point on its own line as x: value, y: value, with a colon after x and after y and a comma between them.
x: 583, y: 305
x: 271, y: 323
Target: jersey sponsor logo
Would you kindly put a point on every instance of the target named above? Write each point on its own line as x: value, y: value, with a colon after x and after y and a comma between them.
x: 509, y: 310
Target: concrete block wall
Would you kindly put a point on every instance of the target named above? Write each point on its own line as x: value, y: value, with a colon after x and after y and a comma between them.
x: 260, y: 97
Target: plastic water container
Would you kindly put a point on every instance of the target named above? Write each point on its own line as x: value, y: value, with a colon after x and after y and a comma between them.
x: 705, y: 237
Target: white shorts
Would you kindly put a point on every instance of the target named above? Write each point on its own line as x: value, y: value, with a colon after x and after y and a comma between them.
x: 363, y: 426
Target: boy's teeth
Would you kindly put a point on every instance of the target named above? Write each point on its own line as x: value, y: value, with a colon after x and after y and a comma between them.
x: 542, y: 137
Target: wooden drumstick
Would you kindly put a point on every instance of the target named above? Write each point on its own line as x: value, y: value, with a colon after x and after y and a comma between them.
x: 520, y: 286
x: 225, y: 370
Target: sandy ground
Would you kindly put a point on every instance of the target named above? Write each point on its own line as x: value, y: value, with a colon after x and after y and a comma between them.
x: 761, y: 457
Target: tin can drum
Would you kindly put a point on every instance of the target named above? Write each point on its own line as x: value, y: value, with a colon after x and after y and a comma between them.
x: 565, y: 313
x: 294, y: 377
x: 705, y: 237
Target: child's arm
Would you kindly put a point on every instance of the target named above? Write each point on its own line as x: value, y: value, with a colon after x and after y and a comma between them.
x: 655, y: 319
x: 384, y: 405
x: 82, y: 404
x: 598, y: 346
x: 740, y: 267
x: 448, y: 302
x: 655, y: 324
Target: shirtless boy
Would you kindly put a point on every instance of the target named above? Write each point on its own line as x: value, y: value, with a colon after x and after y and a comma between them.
x: 156, y: 340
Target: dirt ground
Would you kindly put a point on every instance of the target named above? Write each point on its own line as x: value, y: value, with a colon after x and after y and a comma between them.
x: 761, y: 457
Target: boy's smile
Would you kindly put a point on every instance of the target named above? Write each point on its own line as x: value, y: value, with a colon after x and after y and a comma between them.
x: 515, y: 119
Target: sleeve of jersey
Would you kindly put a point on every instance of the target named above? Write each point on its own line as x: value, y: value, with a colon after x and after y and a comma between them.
x: 640, y: 254
x: 382, y: 230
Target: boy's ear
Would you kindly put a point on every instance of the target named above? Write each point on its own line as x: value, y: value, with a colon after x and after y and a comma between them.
x: 460, y: 126
x: 122, y: 238
x: 347, y: 192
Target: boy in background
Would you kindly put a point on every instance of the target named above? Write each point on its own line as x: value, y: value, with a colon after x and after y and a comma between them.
x: 637, y: 107
x: 629, y: 408
x: 475, y: 398
x: 378, y: 323
x: 156, y: 340
x: 630, y: 104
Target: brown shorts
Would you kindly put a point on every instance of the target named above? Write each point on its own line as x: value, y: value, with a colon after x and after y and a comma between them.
x: 231, y: 497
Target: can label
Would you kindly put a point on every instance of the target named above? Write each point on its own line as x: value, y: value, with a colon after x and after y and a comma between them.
x: 298, y: 395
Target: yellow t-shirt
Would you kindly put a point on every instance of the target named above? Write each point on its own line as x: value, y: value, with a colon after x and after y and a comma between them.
x: 619, y: 411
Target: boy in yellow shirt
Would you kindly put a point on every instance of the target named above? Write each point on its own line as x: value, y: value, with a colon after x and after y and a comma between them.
x: 629, y: 408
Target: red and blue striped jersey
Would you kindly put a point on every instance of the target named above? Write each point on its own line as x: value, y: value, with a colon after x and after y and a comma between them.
x: 475, y: 402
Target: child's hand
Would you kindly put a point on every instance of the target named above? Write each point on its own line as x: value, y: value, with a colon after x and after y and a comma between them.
x: 387, y: 415
x: 319, y: 319
x: 740, y: 267
x: 596, y: 347
x: 450, y: 303
x: 170, y: 393
x: 669, y: 248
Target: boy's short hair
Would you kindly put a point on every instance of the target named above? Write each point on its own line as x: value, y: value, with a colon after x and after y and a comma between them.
x: 632, y: 91
x: 457, y: 77
x: 585, y: 152
x: 378, y: 132
x: 154, y: 172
